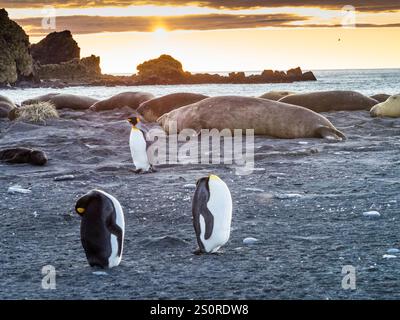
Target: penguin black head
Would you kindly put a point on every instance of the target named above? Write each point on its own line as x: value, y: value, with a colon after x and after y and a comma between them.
x: 134, y: 120
x: 83, y: 203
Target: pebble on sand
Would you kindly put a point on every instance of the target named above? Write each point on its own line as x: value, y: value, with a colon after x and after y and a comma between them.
x: 100, y: 273
x: 65, y: 177
x: 249, y: 241
x: 18, y: 189
x: 371, y: 214
x: 190, y: 186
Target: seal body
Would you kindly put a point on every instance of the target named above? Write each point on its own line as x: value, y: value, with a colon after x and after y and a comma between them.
x: 102, y: 228
x: 388, y: 108
x: 23, y: 155
x: 212, y: 214
x: 64, y: 101
x: 6, y: 105
x: 380, y: 97
x: 154, y: 108
x: 326, y: 101
x: 276, y: 95
x: 266, y: 117
x: 124, y: 99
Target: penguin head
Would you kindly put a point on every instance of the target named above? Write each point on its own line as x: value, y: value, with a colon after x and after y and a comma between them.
x: 134, y: 121
x: 85, y: 201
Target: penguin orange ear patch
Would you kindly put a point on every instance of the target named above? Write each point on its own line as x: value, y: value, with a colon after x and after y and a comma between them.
x: 80, y: 210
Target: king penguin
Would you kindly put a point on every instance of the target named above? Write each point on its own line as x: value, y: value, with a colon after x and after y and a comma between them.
x: 102, y: 228
x: 212, y: 214
x: 139, y: 145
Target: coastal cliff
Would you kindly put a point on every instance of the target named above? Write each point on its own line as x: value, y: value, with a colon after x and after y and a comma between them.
x: 16, y: 63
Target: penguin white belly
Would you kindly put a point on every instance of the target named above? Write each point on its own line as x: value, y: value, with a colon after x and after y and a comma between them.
x: 138, y: 147
x: 220, y: 206
x: 115, y: 259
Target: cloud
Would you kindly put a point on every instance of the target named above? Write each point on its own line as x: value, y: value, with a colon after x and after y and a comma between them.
x: 361, y: 5
x: 96, y: 24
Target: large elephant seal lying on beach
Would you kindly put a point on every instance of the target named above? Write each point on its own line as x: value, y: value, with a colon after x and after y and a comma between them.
x: 6, y: 105
x: 23, y: 155
x: 153, y: 109
x: 380, y: 97
x: 325, y: 101
x: 389, y: 108
x: 276, y: 95
x: 124, y: 99
x: 266, y: 117
x: 64, y: 101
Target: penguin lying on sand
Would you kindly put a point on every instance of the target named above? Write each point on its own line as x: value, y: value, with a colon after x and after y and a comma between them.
x: 102, y: 228
x: 139, y: 146
x: 212, y: 214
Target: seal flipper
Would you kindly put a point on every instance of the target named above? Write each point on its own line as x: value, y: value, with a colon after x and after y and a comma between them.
x: 330, y: 133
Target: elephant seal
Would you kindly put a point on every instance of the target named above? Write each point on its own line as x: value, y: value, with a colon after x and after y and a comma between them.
x: 64, y: 101
x: 155, y: 108
x: 124, y: 99
x: 380, y: 97
x: 388, y: 108
x: 266, y: 117
x: 325, y: 101
x: 23, y: 155
x: 6, y: 105
x: 276, y: 95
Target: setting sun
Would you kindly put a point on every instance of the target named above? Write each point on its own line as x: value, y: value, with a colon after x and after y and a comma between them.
x: 160, y: 31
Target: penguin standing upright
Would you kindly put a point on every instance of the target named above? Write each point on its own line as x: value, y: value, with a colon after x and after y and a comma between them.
x: 139, y: 145
x: 102, y: 228
x: 212, y: 214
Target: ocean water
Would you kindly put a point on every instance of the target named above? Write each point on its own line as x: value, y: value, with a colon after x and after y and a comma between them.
x: 368, y: 82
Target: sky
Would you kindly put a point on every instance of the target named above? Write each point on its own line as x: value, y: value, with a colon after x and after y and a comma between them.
x: 223, y: 35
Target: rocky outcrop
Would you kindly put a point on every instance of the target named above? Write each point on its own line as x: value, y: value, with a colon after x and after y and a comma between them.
x: 163, y: 70
x: 167, y: 70
x: 76, y: 70
x: 55, y: 48
x: 15, y: 60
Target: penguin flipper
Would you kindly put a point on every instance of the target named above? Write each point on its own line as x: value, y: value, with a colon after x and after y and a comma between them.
x: 200, y: 208
x: 116, y: 231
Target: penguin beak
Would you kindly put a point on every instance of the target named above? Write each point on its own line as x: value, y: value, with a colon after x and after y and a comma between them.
x: 80, y: 210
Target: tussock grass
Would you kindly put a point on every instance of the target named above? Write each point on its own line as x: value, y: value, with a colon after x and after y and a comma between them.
x: 37, y: 112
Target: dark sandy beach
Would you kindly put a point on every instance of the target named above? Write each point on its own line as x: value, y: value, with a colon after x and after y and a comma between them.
x: 304, y: 240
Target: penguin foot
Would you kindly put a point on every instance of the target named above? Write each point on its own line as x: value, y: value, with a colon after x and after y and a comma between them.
x: 198, y: 252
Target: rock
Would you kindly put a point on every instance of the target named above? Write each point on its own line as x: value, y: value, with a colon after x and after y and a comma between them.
x: 18, y: 189
x: 295, y: 73
x: 83, y: 70
x: 100, y: 273
x: 250, y: 241
x: 163, y: 70
x: 371, y: 214
x: 55, y: 48
x: 285, y: 196
x: 65, y: 177
x: 16, y: 62
x: 393, y: 250
x: 254, y: 189
x: 308, y: 76
x: 388, y: 256
x: 189, y: 186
